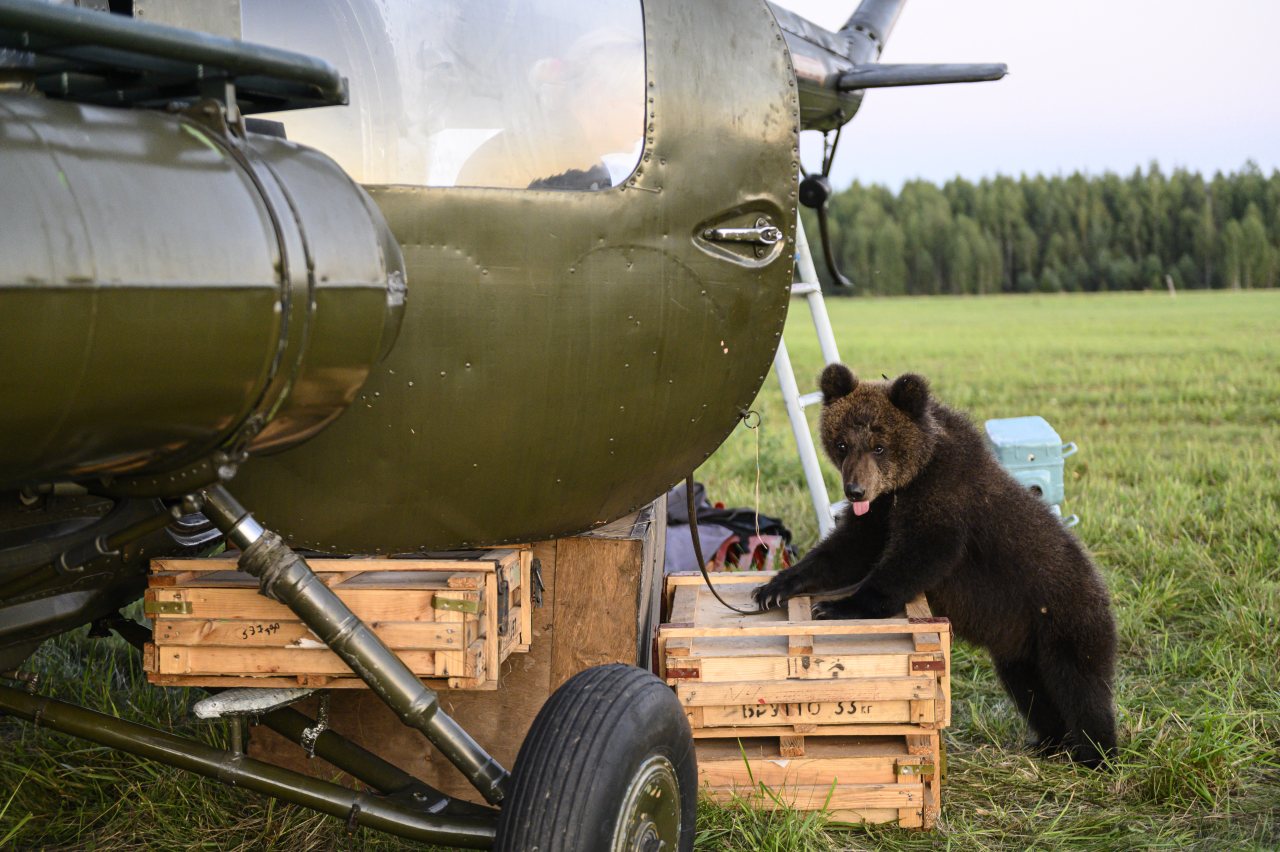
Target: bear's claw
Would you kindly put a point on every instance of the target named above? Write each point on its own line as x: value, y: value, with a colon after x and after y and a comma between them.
x: 771, y: 595
x: 827, y: 610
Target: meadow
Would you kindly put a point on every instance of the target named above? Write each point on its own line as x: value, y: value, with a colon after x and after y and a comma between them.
x: 1175, y: 403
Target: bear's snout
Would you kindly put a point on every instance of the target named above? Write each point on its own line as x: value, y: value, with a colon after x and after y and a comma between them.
x: 854, y: 491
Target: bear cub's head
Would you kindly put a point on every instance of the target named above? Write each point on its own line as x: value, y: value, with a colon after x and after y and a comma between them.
x: 879, y: 434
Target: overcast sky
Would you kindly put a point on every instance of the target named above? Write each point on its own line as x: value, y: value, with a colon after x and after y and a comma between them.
x: 1093, y: 85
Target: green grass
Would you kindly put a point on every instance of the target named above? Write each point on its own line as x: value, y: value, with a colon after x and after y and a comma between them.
x: 1176, y: 406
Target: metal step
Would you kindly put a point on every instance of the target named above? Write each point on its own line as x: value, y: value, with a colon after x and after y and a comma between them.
x: 809, y: 399
x: 247, y: 701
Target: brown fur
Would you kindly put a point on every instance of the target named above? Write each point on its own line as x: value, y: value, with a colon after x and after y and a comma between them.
x: 946, y: 519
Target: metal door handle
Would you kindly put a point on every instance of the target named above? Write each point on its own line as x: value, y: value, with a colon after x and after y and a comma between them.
x: 765, y: 233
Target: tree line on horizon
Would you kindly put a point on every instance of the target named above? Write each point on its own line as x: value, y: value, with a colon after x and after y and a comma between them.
x: 1079, y: 233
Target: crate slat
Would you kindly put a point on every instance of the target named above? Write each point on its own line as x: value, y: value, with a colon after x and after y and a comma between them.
x: 407, y: 635
x: 694, y: 694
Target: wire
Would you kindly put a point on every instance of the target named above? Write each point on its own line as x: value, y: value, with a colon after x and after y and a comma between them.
x: 697, y: 548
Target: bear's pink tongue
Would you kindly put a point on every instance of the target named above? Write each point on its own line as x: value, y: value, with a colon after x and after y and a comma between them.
x: 861, y: 508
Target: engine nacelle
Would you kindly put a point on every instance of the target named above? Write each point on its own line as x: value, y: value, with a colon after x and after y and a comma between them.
x: 174, y: 294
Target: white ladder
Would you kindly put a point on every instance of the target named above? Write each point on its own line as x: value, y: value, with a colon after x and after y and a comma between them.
x: 809, y: 287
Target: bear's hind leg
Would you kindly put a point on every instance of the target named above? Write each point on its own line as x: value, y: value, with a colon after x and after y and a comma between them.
x: 1083, y: 699
x: 1022, y: 681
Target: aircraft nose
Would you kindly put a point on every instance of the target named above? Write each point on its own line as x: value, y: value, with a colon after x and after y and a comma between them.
x: 854, y: 491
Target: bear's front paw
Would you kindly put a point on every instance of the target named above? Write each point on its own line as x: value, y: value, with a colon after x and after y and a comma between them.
x: 776, y: 592
x: 862, y: 605
x: 834, y: 610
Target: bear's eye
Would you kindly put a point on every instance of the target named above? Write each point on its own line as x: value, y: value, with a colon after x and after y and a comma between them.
x: 842, y: 447
x: 879, y: 450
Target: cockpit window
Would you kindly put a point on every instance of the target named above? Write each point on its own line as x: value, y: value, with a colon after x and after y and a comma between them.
x: 548, y: 94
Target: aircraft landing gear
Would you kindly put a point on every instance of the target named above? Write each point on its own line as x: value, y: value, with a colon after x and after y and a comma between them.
x: 608, y: 764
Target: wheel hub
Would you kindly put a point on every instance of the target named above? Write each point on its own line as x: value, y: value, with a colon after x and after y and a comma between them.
x: 649, y: 820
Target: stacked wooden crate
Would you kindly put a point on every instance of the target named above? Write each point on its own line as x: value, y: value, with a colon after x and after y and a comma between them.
x: 453, y: 618
x: 841, y: 715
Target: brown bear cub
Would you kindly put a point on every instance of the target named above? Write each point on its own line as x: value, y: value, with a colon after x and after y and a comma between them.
x: 931, y: 510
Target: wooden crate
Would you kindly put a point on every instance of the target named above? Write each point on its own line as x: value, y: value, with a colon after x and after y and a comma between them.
x: 781, y: 673
x: 451, y: 617
x: 880, y: 779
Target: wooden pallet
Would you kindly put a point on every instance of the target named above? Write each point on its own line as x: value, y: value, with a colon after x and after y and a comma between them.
x: 785, y: 673
x: 856, y: 779
x: 452, y: 618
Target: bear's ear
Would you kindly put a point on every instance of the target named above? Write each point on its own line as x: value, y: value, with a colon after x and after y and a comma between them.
x: 910, y: 393
x: 836, y: 381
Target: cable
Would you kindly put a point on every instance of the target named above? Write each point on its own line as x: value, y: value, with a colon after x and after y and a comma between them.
x: 697, y: 549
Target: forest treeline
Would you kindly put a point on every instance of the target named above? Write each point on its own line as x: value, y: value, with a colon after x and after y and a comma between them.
x: 1056, y: 234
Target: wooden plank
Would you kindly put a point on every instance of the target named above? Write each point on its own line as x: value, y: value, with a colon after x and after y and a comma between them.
x: 806, y: 797
x: 182, y: 660
x: 368, y: 604
x: 918, y: 607
x: 871, y: 626
x: 170, y: 578
x: 750, y: 648
x: 207, y: 579
x: 791, y: 745
x: 813, y: 733
x: 786, y: 772
x: 283, y: 682
x: 598, y: 582
x: 335, y: 579
x: 809, y: 712
x: 924, y: 711
x: 321, y: 565
x: 408, y: 635
x: 870, y: 816
x: 694, y: 694
x: 694, y: 578
x: 489, y: 617
x: 526, y: 599
x: 844, y: 760
x: 456, y: 663
x: 799, y: 610
x: 508, y: 643
x: 262, y: 682
x: 477, y: 675
x: 651, y: 528
x: 946, y: 680
x: 684, y: 604
x: 717, y: 669
x: 928, y: 747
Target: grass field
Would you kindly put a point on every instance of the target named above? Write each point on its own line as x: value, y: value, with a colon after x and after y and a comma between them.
x: 1175, y: 403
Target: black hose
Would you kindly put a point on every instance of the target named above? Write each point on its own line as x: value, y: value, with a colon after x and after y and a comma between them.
x: 836, y: 275
x: 697, y: 549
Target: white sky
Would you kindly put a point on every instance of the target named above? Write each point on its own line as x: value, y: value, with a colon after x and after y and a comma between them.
x: 1093, y: 85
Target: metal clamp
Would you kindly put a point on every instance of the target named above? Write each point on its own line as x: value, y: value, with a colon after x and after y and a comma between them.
x: 312, y: 733
x: 504, y: 602
x: 538, y: 586
x: 30, y: 680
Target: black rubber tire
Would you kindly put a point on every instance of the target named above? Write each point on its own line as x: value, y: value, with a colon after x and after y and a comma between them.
x: 587, y: 743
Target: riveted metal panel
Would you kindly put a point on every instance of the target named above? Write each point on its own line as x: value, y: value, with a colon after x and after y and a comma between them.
x: 567, y: 356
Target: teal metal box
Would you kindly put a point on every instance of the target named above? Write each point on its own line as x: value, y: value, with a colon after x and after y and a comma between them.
x: 1031, y: 450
